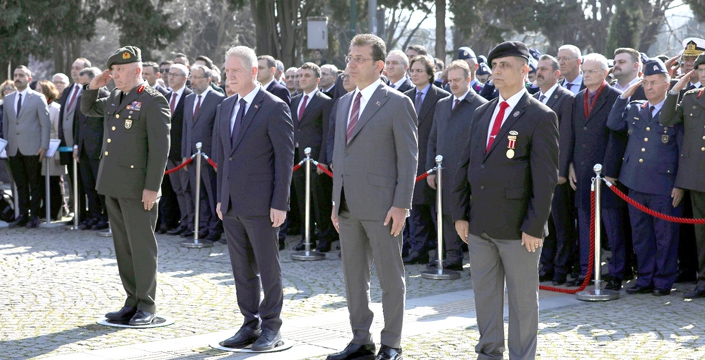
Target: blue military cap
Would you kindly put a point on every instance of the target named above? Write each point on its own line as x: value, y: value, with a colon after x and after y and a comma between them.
x: 533, y: 65
x: 483, y: 69
x: 654, y: 66
x: 466, y: 53
x: 481, y: 59
x: 644, y: 57
x: 535, y: 54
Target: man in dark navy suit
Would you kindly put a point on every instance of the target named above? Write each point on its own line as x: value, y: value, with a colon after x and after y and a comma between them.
x: 267, y: 66
x: 310, y: 112
x: 502, y: 200
x: 199, y: 115
x: 555, y: 256
x: 254, y: 145
x: 569, y: 61
x: 396, y: 67
x: 451, y: 128
x: 591, y: 142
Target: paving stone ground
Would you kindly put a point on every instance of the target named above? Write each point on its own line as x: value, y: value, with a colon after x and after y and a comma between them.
x: 55, y: 283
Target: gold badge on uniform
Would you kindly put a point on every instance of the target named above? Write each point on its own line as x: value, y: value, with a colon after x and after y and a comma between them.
x: 128, y: 124
x: 664, y: 138
x: 125, y: 55
x: 511, y: 144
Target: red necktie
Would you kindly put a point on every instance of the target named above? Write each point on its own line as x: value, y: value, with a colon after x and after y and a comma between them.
x: 73, y: 97
x: 198, y: 106
x: 173, y: 100
x: 302, y: 108
x: 354, y: 115
x: 497, y: 124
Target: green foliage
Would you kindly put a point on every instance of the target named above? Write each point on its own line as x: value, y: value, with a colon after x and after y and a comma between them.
x: 625, y: 26
x: 698, y: 8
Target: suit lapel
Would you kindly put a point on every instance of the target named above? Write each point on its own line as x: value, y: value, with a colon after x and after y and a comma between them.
x: 248, y: 117
x: 378, y: 98
x: 644, y: 113
x: 599, y: 102
x: 312, y: 103
x: 429, y: 100
x: 127, y: 99
x: 204, y: 102
x: 553, y: 99
x: 512, y: 118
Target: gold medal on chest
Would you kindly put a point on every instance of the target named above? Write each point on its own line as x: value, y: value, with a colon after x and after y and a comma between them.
x: 128, y: 124
x: 510, y: 153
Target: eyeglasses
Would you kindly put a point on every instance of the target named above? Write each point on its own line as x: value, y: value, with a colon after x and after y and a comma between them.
x: 356, y: 60
x: 164, y: 71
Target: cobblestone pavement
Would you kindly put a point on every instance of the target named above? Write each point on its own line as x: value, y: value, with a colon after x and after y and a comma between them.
x: 55, y: 283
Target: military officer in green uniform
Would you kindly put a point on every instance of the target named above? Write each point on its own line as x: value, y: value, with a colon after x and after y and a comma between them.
x: 133, y: 159
x: 691, y: 173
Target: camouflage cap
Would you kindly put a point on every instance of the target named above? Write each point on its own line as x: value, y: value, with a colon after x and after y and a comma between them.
x: 125, y: 55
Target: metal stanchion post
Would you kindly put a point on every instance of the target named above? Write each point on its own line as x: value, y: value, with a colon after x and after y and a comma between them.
x: 440, y: 273
x: 47, y: 198
x: 74, y: 182
x: 597, y: 294
x: 15, y: 196
x: 197, y: 244
x: 307, y: 254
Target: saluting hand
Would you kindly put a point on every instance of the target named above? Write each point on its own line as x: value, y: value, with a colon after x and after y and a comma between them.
x: 101, y: 80
x: 398, y: 217
x: 631, y: 89
x: 680, y: 85
x: 149, y: 198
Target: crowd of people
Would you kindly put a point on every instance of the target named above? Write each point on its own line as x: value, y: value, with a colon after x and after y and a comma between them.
x: 519, y: 132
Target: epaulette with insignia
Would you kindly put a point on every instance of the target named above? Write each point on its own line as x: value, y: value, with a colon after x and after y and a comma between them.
x: 151, y: 91
x: 692, y: 91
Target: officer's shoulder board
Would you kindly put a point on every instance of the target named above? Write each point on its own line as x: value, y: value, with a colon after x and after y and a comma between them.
x: 151, y: 91
x: 692, y: 91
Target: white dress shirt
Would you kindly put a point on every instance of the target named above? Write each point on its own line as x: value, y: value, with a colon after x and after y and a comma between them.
x: 366, y: 95
x: 248, y: 101
x: 512, y: 101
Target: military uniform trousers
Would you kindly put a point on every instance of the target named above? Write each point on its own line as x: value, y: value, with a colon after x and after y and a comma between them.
x: 698, y: 200
x: 655, y: 240
x: 135, y: 249
x: 612, y: 219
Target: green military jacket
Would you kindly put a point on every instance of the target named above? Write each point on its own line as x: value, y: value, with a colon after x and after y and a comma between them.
x: 135, y: 140
x: 690, y: 112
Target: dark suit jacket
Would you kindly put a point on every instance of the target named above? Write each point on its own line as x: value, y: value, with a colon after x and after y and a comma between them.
x: 312, y: 130
x: 67, y: 157
x: 177, y: 125
x: 423, y: 194
x: 406, y: 86
x: 199, y: 129
x: 162, y: 90
x: 88, y: 130
x: 280, y: 91
x: 591, y: 142
x: 255, y: 174
x: 449, y: 133
x: 503, y: 197
x: 561, y: 102
x: 582, y: 85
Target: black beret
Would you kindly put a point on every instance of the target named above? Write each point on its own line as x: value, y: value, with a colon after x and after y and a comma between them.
x: 125, y: 55
x: 508, y: 48
x: 699, y: 60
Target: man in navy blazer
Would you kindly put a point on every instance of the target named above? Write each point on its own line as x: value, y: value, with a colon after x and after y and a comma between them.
x: 310, y: 111
x: 591, y: 142
x: 199, y: 115
x: 267, y: 66
x: 254, y: 145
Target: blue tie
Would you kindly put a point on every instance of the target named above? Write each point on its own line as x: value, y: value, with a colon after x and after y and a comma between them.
x: 238, y: 122
x: 19, y: 105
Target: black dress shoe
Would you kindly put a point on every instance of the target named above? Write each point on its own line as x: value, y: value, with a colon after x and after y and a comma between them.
x: 389, y: 353
x: 124, y: 314
x: 558, y: 280
x: 455, y: 266
x: 578, y: 281
x: 214, y: 236
x: 355, y: 351
x: 100, y: 225
x: 661, y: 292
x: 176, y: 231
x: 302, y: 246
x: 187, y: 234
x: 686, y: 276
x: 202, y: 234
x: 242, y: 338
x: 614, y: 284
x: 637, y: 289
x: 142, y: 317
x: 88, y: 224
x: 695, y: 293
x: 33, y: 222
x: 20, y: 221
x: 268, y: 340
x: 162, y: 229
x: 323, y: 246
x: 416, y: 258
x: 547, y: 276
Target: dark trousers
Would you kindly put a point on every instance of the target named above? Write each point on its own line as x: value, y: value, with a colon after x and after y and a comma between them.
x: 254, y: 257
x: 56, y: 197
x: 687, y: 251
x: 207, y: 216
x: 698, y: 200
x: 321, y: 205
x: 557, y: 246
x: 27, y: 173
x: 135, y: 250
x: 655, y: 240
x: 452, y: 245
x: 169, y: 213
x: 612, y: 219
x: 88, y: 172
x: 422, y: 229
x: 180, y: 184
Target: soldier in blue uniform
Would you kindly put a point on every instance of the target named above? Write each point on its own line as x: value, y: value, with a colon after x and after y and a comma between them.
x: 649, y: 168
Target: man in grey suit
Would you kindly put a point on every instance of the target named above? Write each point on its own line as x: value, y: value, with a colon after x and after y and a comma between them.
x: 375, y: 159
x: 199, y: 114
x: 26, y: 125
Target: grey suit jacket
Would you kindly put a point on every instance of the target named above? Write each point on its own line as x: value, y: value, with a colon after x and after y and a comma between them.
x: 377, y: 167
x: 29, y: 131
x: 199, y: 129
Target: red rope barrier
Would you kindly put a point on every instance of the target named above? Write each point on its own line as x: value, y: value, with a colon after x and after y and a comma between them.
x: 323, y: 168
x: 180, y: 166
x: 659, y: 215
x: 213, y: 164
x: 296, y: 167
x: 425, y: 175
x: 591, y: 263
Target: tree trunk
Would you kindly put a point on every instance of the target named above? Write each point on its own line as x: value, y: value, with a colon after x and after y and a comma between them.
x: 441, y: 29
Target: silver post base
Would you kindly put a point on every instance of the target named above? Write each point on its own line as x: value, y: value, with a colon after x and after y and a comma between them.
x: 597, y: 295
x: 105, y: 233
x: 197, y: 244
x: 307, y: 255
x: 72, y: 227
x: 440, y: 274
x: 51, y: 225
